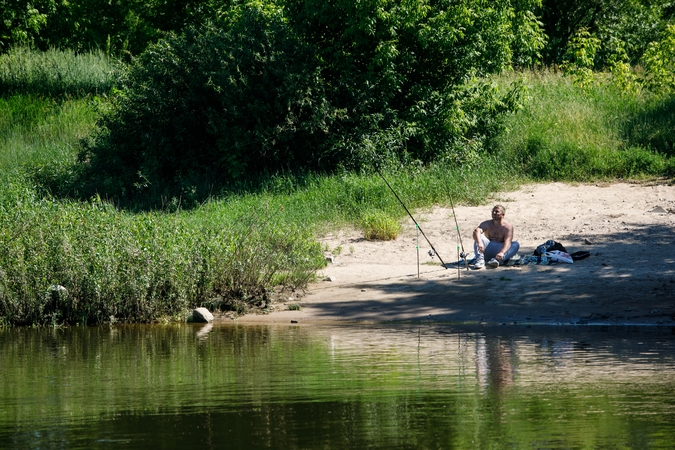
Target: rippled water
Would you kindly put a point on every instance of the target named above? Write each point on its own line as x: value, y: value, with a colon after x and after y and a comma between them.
x: 347, y: 386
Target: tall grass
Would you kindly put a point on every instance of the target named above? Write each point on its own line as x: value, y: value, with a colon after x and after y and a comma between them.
x: 138, y: 267
x: 56, y: 73
x: 41, y: 133
x: 324, y: 202
x: 565, y: 132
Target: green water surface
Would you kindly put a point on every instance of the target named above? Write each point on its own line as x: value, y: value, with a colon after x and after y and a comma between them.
x: 347, y: 386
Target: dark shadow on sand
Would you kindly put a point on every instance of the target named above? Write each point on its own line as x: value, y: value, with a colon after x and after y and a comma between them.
x: 628, y: 279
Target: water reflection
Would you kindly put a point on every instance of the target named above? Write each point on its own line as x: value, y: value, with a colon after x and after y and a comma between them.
x: 203, y: 333
x: 347, y: 386
x: 494, y: 365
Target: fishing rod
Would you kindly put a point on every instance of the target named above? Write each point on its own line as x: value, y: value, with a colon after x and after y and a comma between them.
x: 463, y: 253
x: 377, y: 169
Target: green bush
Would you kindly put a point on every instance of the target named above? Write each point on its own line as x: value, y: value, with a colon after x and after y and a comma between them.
x: 307, y: 85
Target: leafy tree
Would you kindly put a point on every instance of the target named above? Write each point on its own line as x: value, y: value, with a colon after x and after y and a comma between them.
x: 119, y: 26
x: 87, y: 25
x: 619, y: 40
x: 21, y: 21
x: 659, y: 62
x: 528, y: 37
x: 623, y: 27
x: 580, y: 57
x: 404, y: 66
x: 313, y: 84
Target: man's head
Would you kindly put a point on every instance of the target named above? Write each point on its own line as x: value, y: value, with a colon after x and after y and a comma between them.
x: 498, y: 212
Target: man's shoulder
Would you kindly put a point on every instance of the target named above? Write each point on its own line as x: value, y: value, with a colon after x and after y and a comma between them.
x: 486, y: 224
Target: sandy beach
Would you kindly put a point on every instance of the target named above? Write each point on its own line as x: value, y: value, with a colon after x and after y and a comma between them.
x: 629, y: 279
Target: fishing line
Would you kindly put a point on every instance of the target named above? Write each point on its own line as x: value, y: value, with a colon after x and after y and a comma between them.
x: 459, y: 270
x: 463, y: 253
x: 417, y: 247
x: 377, y: 169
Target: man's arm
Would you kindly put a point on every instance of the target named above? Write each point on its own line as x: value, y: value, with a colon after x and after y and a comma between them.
x: 480, y: 229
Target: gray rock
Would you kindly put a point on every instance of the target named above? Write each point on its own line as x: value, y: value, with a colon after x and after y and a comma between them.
x: 202, y: 315
x: 329, y: 278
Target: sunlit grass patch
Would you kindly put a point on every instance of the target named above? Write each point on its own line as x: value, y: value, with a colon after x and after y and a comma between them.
x: 56, y: 73
x: 377, y: 225
x: 42, y: 134
x: 568, y: 133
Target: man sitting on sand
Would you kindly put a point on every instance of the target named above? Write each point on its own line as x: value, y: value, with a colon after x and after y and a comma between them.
x: 493, y: 239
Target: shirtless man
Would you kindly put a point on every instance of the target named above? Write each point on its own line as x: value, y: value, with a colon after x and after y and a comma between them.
x: 493, y: 240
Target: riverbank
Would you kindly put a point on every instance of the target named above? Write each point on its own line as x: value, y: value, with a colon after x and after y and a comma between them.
x: 628, y: 279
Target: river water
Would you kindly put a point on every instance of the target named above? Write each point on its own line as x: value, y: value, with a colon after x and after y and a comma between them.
x: 344, y: 386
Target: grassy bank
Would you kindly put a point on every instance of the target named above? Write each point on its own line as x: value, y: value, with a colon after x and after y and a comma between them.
x: 70, y: 260
x: 568, y: 133
x: 67, y: 262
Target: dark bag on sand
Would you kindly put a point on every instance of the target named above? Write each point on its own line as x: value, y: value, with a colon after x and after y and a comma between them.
x: 576, y: 256
x: 549, y: 246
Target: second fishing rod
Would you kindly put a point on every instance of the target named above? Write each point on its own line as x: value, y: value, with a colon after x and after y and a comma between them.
x: 459, y: 235
x: 435, y: 252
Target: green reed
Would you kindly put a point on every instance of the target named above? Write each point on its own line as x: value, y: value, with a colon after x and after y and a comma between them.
x: 57, y: 73
x: 117, y: 266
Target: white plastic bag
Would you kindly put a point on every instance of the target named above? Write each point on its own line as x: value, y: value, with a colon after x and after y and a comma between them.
x: 557, y: 255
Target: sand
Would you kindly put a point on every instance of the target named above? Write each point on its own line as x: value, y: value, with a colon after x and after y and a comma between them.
x: 629, y: 279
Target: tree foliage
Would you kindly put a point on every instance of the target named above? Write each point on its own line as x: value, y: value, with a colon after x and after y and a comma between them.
x: 622, y: 26
x: 580, y: 56
x: 21, y: 21
x: 659, y: 62
x: 310, y: 84
x: 119, y: 27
